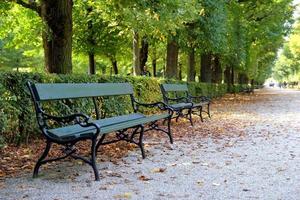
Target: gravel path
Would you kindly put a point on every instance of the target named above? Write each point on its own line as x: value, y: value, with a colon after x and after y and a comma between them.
x: 260, y: 160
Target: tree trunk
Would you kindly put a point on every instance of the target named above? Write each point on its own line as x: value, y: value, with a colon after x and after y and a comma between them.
x: 92, y: 63
x: 227, y: 75
x: 57, y: 38
x: 92, y: 43
x: 227, y: 78
x: 232, y: 75
x: 144, y: 55
x: 179, y: 71
x: 206, y: 71
x: 217, y: 70
x: 136, y: 57
x: 154, y: 62
x: 191, y: 66
x: 172, y: 59
x: 243, y: 78
x: 114, y: 64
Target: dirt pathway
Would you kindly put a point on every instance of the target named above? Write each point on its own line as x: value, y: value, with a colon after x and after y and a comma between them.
x: 250, y: 149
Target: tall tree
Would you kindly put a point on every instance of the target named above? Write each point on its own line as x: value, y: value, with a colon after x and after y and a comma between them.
x: 96, y: 34
x: 213, y: 35
x: 191, y: 73
x: 172, y: 59
x: 57, y: 35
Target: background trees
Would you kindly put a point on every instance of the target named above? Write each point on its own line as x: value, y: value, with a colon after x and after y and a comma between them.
x: 203, y: 40
x: 287, y: 67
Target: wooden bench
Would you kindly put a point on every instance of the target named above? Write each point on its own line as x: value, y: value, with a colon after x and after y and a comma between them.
x: 70, y: 129
x: 182, y: 101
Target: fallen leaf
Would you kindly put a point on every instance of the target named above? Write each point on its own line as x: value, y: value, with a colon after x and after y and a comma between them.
x: 196, y: 162
x: 144, y: 178
x: 158, y: 170
x: 200, y: 183
x: 126, y: 195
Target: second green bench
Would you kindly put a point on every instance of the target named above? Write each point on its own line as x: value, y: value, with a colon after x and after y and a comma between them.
x: 177, y: 96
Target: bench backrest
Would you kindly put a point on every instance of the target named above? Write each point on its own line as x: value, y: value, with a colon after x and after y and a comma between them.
x: 174, y: 87
x: 56, y: 91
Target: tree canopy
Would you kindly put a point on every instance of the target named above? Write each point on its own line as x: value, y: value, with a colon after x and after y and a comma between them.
x: 236, y: 39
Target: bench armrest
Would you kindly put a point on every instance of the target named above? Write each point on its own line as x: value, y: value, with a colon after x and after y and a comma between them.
x: 160, y: 105
x: 79, y: 118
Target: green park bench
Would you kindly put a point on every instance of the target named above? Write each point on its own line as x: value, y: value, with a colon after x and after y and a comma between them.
x: 72, y: 128
x: 183, y: 103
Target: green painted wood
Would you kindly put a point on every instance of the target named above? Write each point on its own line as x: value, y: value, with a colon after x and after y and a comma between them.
x: 174, y: 87
x: 145, y: 120
x: 119, y: 119
x: 203, y: 103
x: 53, y: 91
x: 180, y: 106
x: 75, y: 131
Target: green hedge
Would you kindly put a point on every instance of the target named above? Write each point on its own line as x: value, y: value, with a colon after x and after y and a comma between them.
x: 17, y: 117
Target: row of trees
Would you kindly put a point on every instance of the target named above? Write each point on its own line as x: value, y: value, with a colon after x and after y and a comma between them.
x: 208, y: 40
x: 287, y: 67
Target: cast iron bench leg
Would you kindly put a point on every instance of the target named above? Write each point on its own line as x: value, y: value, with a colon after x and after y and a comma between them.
x: 100, y: 142
x: 40, y: 160
x: 179, y: 113
x: 208, y: 111
x: 200, y: 108
x: 141, y: 144
x: 93, y: 159
x: 169, y: 129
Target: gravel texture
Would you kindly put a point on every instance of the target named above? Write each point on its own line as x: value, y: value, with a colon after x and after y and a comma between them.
x: 262, y: 162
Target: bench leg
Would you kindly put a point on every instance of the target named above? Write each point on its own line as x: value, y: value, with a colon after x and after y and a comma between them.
x: 141, y: 144
x: 178, y: 115
x: 93, y: 159
x: 201, y: 117
x: 169, y: 129
x: 100, y: 142
x: 40, y: 160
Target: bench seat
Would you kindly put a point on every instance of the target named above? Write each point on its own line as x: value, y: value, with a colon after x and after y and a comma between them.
x: 107, y: 125
x: 203, y: 103
x: 180, y: 106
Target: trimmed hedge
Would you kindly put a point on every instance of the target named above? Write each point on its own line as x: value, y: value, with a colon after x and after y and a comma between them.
x: 17, y: 115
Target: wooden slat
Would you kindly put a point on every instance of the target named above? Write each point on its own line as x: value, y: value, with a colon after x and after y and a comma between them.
x: 175, y: 87
x: 52, y: 91
x: 77, y: 131
x: 181, y: 105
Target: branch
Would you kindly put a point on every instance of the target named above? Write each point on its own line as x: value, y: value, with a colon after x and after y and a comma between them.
x: 30, y: 5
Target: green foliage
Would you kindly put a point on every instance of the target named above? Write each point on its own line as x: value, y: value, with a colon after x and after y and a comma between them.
x: 287, y: 65
x: 266, y: 25
x: 20, y: 38
x: 93, y: 32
